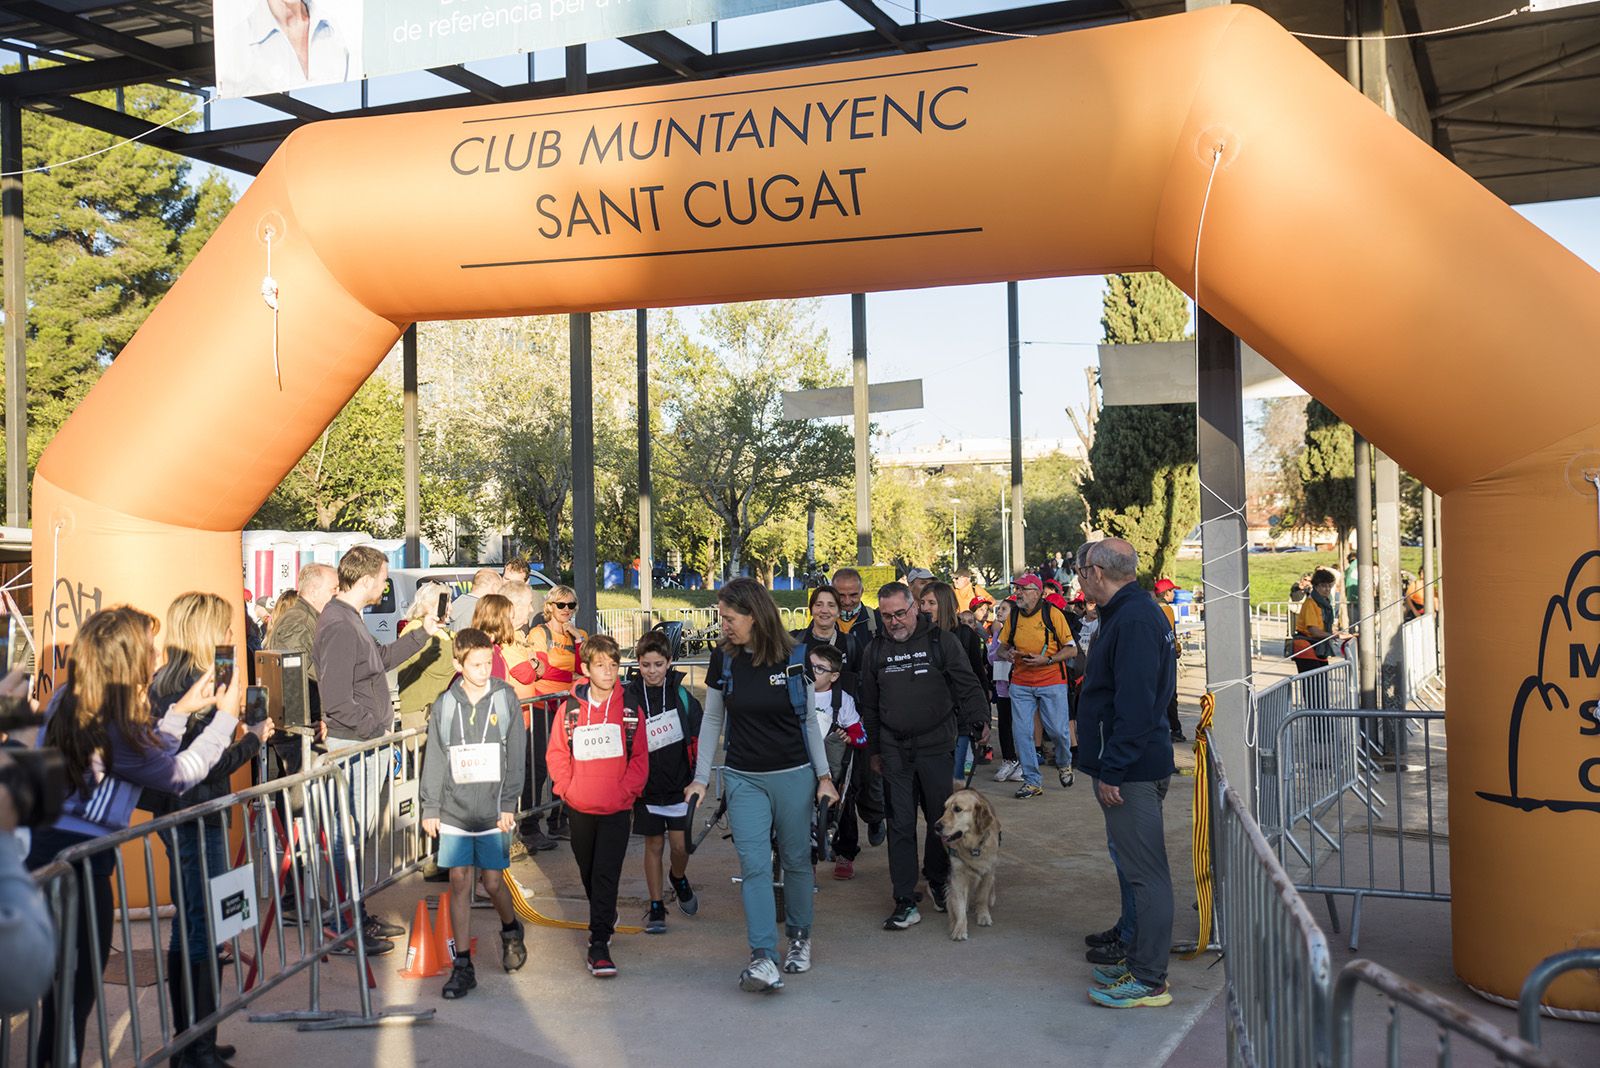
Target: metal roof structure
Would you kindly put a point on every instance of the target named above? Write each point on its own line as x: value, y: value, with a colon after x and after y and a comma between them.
x: 1516, y: 103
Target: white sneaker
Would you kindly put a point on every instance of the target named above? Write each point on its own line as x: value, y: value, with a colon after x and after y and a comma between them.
x: 798, y: 959
x: 1009, y: 771
x: 760, y: 975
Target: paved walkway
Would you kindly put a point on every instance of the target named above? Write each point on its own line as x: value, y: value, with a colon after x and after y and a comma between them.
x: 1016, y: 989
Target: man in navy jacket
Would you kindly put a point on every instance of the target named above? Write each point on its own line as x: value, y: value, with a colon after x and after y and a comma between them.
x: 1125, y: 745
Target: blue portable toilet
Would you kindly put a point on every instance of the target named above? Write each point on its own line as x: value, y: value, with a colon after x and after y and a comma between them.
x: 610, y: 575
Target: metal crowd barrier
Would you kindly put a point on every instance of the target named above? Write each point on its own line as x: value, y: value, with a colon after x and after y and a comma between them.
x: 1340, y: 834
x: 1538, y: 981
x: 60, y: 889
x: 1448, y: 1022
x: 385, y: 776
x: 259, y: 892
x: 1270, y: 623
x: 1332, y: 686
x: 1279, y: 971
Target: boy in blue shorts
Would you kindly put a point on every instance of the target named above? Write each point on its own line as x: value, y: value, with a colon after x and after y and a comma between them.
x: 471, y: 780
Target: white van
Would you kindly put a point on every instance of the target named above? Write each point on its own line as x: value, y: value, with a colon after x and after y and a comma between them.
x: 383, y: 618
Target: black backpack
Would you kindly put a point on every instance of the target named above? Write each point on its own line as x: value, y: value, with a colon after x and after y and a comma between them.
x: 1050, y: 634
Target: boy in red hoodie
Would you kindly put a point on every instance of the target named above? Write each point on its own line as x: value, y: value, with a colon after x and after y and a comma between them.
x: 599, y: 763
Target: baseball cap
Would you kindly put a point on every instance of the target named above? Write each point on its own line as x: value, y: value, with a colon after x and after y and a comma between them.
x: 1029, y: 580
x: 1163, y: 585
x: 918, y: 573
x: 976, y: 601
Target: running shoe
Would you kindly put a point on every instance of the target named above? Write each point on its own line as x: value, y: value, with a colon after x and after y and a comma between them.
x: 599, y: 960
x: 876, y: 833
x: 939, y: 891
x: 1007, y: 769
x: 688, y: 903
x: 798, y: 958
x: 513, y: 950
x: 905, y: 915
x: 1026, y: 791
x: 844, y: 869
x: 1110, y: 975
x: 462, y: 979
x: 655, y: 921
x: 760, y: 976
x: 1132, y: 994
x: 1066, y: 776
x: 1113, y: 954
x: 1108, y: 937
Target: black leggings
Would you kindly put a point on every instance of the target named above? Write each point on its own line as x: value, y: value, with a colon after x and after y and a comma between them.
x: 1008, y: 742
x: 600, y: 844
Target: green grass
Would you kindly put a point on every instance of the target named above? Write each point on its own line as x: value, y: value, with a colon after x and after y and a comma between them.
x: 1271, y: 574
x: 669, y: 600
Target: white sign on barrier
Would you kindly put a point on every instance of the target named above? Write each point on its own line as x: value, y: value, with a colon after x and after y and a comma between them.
x: 233, y: 903
x: 407, y: 809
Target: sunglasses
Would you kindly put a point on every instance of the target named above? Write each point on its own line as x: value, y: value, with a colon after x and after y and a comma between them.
x: 563, y: 604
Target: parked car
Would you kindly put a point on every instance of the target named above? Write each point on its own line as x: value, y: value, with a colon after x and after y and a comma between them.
x: 383, y: 618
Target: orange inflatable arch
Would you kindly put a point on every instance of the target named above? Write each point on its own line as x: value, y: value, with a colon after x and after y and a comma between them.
x: 1449, y: 330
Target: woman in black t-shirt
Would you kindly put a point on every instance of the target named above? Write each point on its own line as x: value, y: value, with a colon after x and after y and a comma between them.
x: 774, y: 769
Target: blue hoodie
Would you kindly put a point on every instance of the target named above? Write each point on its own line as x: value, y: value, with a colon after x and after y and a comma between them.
x: 1122, y: 710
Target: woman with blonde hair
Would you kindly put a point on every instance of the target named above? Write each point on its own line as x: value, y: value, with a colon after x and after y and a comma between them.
x: 196, y: 624
x: 280, y: 608
x: 430, y: 670
x: 100, y: 720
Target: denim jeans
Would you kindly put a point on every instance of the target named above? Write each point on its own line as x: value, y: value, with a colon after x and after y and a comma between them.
x: 758, y: 804
x: 1051, y: 702
x: 185, y: 870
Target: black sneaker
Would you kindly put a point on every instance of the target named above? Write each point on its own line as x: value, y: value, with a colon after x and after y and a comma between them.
x: 1112, y: 953
x: 599, y: 961
x: 513, y: 951
x: 539, y: 842
x: 688, y: 903
x: 655, y: 921
x: 939, y: 891
x: 905, y: 915
x: 379, y: 928
x: 462, y: 979
x: 1108, y: 937
x: 376, y: 947
x: 1178, y: 735
x: 876, y: 833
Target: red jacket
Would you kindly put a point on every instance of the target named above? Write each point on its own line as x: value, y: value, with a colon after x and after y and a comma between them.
x: 605, y: 785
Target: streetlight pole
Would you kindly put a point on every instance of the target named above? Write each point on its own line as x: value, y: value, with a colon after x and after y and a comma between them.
x: 1005, y: 537
x: 955, y: 548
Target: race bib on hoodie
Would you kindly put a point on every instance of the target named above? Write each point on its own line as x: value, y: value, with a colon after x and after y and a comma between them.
x: 600, y: 741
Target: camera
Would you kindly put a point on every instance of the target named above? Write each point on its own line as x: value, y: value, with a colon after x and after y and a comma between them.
x: 37, y: 781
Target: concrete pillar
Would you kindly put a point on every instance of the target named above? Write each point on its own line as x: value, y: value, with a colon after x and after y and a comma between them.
x: 647, y: 574
x: 16, y: 308
x: 1225, y: 563
x: 1019, y: 542
x: 860, y: 395
x: 413, y: 449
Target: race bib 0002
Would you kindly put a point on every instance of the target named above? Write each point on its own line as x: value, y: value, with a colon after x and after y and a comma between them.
x: 600, y: 741
x: 475, y: 763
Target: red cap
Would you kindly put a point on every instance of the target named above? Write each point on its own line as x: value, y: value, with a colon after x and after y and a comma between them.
x: 1163, y: 585
x: 976, y: 601
x: 1030, y: 579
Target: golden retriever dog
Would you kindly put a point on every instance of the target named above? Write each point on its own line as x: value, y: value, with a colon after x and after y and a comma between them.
x: 971, y: 834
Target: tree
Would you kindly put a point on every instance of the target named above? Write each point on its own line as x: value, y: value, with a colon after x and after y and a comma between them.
x: 105, y: 240
x: 1274, y: 465
x: 724, y: 436
x: 1327, y: 466
x: 350, y: 479
x: 1144, y: 484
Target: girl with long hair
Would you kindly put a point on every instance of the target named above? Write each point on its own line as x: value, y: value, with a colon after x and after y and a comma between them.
x: 776, y: 767
x: 938, y: 603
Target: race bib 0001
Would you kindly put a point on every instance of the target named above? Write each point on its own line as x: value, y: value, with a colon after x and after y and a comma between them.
x: 600, y: 741
x: 663, y: 729
x: 475, y: 763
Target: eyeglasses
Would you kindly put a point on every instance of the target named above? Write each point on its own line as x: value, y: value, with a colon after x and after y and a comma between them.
x: 563, y: 604
x: 818, y: 669
x: 902, y: 614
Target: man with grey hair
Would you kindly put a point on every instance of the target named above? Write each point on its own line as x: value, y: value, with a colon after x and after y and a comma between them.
x: 1127, y: 750
x: 485, y: 580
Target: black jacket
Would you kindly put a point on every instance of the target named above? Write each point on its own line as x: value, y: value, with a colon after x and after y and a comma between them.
x: 671, y: 766
x: 851, y: 646
x: 216, y: 783
x: 1123, y: 734
x: 907, y: 703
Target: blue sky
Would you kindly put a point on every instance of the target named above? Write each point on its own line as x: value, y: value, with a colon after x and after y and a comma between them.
x: 954, y: 339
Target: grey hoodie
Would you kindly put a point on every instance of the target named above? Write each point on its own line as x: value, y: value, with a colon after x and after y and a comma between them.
x: 473, y: 807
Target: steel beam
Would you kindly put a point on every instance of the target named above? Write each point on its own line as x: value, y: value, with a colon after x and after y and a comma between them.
x: 476, y: 84
x: 647, y: 549
x: 1515, y: 81
x: 1520, y: 129
x: 582, y: 358
x: 671, y: 52
x: 413, y: 447
x: 12, y: 241
x: 886, y: 27
x: 862, y: 393
x: 1366, y: 622
x: 117, y: 124
x: 1019, y: 543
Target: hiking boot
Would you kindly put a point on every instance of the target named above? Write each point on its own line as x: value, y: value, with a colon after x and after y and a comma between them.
x: 462, y: 979
x: 1113, y: 953
x: 940, y: 891
x: 513, y: 951
x: 1007, y: 769
x: 655, y: 921
x: 599, y: 961
x: 688, y: 903
x: 876, y: 833
x: 760, y: 976
x: 539, y: 842
x: 844, y: 869
x: 1109, y: 937
x: 1132, y: 994
x: 905, y: 915
x: 798, y: 959
x: 380, y: 928
x: 1066, y: 776
x: 1110, y: 975
x: 1026, y: 791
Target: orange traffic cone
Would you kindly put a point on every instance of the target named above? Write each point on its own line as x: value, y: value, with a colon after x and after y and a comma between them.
x: 422, y: 956
x: 444, y: 936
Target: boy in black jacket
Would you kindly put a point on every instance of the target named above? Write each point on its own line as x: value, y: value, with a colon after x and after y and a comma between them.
x: 670, y: 717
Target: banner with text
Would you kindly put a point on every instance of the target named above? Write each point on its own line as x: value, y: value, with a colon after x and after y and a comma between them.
x: 269, y: 46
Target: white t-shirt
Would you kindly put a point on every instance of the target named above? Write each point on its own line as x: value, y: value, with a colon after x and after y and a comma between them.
x: 822, y: 705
